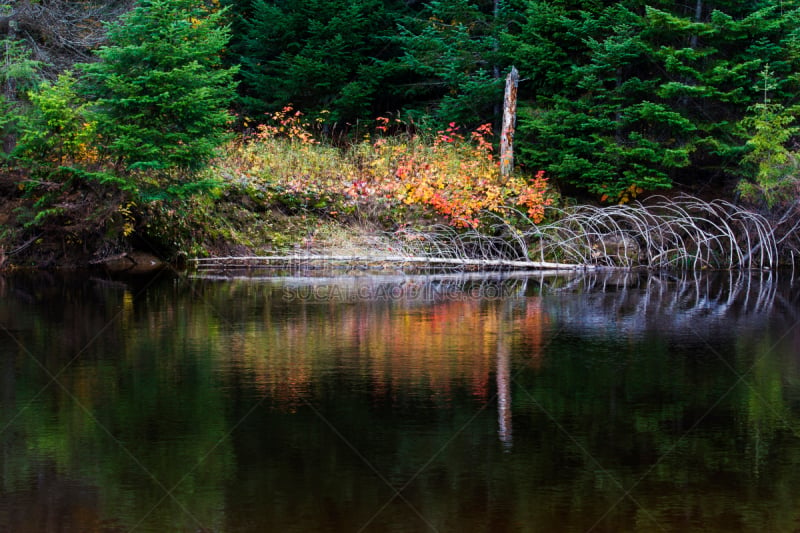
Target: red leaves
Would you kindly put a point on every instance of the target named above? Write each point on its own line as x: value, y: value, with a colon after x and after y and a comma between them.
x: 455, y: 176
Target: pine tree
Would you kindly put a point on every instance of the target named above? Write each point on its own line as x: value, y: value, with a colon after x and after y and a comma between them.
x: 628, y: 95
x: 451, y: 61
x: 160, y: 92
x: 315, y: 54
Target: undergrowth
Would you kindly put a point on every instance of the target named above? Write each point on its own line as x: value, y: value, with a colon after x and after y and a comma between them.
x: 270, y: 189
x: 395, y: 179
x: 279, y: 188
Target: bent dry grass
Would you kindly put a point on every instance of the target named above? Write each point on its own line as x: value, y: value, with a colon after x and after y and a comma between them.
x: 664, y: 233
x: 682, y: 233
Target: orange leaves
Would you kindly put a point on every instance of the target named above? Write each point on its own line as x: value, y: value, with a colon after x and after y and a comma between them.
x: 286, y: 123
x: 532, y: 197
x: 458, y: 179
x: 451, y: 175
x: 383, y: 124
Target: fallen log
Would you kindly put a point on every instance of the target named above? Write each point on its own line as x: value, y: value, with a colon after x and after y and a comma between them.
x: 294, y: 260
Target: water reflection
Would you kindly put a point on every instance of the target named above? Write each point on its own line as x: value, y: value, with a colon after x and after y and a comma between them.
x: 504, y: 390
x: 603, y: 402
x: 637, y: 302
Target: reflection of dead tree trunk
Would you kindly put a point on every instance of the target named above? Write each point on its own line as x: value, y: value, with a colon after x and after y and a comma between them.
x: 509, y: 125
x: 504, y: 427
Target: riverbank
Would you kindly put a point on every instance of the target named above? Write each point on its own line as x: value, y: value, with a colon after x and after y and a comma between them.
x: 438, y: 198
x: 659, y: 233
x: 273, y: 190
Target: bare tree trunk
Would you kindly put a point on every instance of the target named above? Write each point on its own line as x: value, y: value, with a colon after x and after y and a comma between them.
x: 698, y: 14
x: 509, y: 125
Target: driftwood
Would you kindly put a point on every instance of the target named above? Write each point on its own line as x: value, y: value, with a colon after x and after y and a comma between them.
x: 367, y: 260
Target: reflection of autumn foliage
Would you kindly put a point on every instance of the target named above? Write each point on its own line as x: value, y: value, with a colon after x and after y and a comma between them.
x: 285, y: 353
x: 278, y: 360
x: 533, y: 325
x: 440, y: 346
x: 437, y: 347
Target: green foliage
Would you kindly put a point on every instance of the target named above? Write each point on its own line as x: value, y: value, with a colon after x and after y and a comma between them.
x: 161, y: 93
x: 19, y: 73
x: 622, y: 95
x: 615, y: 96
x: 317, y: 54
x: 57, y: 147
x: 56, y: 131
x: 771, y: 168
x: 451, y: 61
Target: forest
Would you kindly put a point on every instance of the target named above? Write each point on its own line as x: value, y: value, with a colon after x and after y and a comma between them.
x: 219, y: 126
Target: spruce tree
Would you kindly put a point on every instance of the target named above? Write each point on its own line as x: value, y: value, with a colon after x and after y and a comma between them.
x: 316, y: 55
x: 451, y: 62
x: 160, y: 92
x: 631, y: 95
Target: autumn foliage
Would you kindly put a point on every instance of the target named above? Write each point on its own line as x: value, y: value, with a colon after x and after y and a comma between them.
x: 448, y: 175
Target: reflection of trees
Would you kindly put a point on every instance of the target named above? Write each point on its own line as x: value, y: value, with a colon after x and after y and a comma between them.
x: 607, y: 394
x: 154, y: 382
x: 130, y: 414
x: 676, y: 391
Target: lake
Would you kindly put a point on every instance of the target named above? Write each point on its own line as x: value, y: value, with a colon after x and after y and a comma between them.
x: 350, y: 401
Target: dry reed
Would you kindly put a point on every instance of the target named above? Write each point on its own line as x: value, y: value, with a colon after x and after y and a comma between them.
x: 681, y: 233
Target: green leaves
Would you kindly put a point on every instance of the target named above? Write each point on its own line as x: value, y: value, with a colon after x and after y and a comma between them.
x: 161, y: 93
x: 56, y: 130
x: 317, y: 55
x: 769, y: 167
x: 451, y: 61
x: 624, y: 95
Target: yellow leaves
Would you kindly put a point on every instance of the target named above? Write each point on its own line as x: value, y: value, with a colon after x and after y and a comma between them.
x: 128, y: 219
x: 453, y: 177
x: 627, y: 195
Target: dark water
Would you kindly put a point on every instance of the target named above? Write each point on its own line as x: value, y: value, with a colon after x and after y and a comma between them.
x: 432, y: 403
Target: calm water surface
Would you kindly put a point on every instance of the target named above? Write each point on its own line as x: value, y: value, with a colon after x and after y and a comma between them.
x: 400, y: 403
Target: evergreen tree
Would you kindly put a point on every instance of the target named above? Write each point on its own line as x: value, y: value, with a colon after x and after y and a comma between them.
x: 161, y: 94
x: 627, y: 96
x: 315, y: 54
x: 451, y: 61
x: 770, y: 168
x: 19, y: 73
